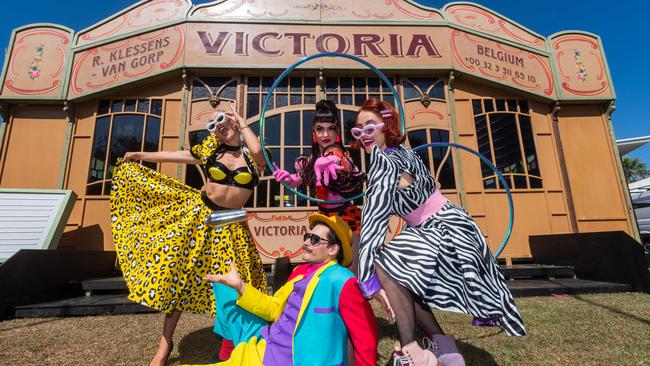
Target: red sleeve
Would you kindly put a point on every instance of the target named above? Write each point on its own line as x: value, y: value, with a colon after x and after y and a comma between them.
x: 361, y: 323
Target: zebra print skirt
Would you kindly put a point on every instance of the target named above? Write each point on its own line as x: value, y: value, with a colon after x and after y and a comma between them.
x: 446, y: 262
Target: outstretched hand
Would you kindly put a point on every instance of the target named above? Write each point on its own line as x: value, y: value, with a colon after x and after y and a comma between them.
x: 234, y: 117
x: 325, y: 168
x: 293, y: 180
x: 230, y: 279
x: 385, y: 304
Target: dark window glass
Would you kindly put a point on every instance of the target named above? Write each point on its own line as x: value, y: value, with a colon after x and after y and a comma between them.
x: 266, y: 84
x: 438, y: 91
x: 156, y: 107
x: 489, y: 106
x: 117, y: 106
x: 359, y: 99
x: 535, y: 182
x: 310, y: 85
x: 512, y: 105
x: 125, y: 136
x: 505, y: 140
x: 282, y: 100
x: 331, y: 85
x: 483, y: 139
x: 129, y: 105
x: 296, y: 85
x: 292, y: 129
x: 332, y: 97
x: 349, y: 118
x: 104, y: 106
x: 310, y: 99
x: 272, y: 130
x: 410, y: 92
x: 275, y: 194
x: 373, y: 85
x: 255, y: 127
x: 417, y: 138
x: 262, y: 190
x: 290, y: 156
x: 229, y: 92
x: 98, y: 155
x: 253, y: 105
x: 253, y: 84
x: 523, y: 106
x: 489, y: 183
x: 282, y: 86
x: 296, y: 99
x: 193, y: 177
x: 359, y: 85
x: 143, y: 106
x: 501, y: 104
x: 445, y: 171
x: 528, y: 141
x: 520, y: 181
x: 346, y: 85
x: 477, y: 107
x: 307, y: 118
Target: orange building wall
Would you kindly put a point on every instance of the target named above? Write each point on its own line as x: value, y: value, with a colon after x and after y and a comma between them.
x: 595, y: 183
x: 31, y: 154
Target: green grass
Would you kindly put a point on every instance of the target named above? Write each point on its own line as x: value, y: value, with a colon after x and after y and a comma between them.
x: 603, y: 329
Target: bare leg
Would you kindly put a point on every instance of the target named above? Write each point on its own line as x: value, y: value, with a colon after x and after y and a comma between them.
x: 354, y: 266
x: 425, y: 319
x: 401, y: 300
x: 164, y: 348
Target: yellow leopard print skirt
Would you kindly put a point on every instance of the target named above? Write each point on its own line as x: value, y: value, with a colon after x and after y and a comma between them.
x: 164, y: 248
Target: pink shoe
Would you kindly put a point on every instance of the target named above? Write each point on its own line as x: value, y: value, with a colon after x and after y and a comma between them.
x: 419, y: 356
x: 444, y: 347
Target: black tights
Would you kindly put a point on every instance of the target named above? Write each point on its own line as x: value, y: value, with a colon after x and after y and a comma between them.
x: 409, y: 310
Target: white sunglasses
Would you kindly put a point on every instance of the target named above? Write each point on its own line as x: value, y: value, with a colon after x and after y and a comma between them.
x: 370, y: 130
x: 214, y: 123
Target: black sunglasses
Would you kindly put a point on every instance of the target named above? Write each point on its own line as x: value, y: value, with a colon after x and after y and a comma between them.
x: 313, y: 239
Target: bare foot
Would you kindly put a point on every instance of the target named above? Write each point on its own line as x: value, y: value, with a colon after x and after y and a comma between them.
x: 162, y: 354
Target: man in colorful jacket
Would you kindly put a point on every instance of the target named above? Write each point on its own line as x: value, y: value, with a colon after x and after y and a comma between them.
x: 311, y: 316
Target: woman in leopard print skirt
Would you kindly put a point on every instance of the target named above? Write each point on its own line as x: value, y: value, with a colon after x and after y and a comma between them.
x: 163, y: 245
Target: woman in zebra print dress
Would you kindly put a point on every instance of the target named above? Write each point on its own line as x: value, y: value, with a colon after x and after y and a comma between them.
x: 440, y: 259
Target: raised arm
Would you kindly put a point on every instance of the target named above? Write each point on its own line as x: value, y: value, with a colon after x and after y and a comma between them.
x: 250, y: 138
x: 181, y: 156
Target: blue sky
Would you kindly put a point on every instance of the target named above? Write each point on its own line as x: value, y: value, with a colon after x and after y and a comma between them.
x: 618, y: 23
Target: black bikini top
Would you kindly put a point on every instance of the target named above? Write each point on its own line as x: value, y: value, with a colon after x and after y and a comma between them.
x: 243, y: 176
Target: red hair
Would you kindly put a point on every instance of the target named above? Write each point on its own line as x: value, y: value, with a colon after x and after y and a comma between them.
x: 388, y: 115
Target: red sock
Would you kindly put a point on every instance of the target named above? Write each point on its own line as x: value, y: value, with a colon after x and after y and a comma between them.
x: 227, y: 346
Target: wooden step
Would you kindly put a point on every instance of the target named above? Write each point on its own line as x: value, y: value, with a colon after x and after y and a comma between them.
x: 537, y: 271
x: 563, y: 286
x: 84, y: 305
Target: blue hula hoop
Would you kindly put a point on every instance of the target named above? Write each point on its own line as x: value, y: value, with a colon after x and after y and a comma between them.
x: 501, y: 179
x: 283, y: 75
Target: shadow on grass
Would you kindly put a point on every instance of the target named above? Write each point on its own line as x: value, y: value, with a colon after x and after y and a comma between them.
x: 199, y: 347
x: 613, y: 310
x: 46, y: 320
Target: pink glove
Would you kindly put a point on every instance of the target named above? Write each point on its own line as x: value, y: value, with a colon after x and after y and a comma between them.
x: 325, y: 168
x: 293, y: 180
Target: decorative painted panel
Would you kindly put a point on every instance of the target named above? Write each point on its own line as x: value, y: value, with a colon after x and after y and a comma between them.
x: 127, y: 60
x: 502, y: 63
x: 486, y: 21
x: 36, y: 63
x: 370, y: 10
x: 581, y: 66
x: 142, y: 15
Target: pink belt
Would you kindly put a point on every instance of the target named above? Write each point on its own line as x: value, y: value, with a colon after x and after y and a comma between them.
x: 432, y: 205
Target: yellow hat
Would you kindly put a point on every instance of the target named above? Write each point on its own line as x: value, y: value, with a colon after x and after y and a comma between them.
x: 342, y: 231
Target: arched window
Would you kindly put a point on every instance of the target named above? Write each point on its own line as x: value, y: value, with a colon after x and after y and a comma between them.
x: 438, y: 159
x: 121, y: 126
x: 505, y: 136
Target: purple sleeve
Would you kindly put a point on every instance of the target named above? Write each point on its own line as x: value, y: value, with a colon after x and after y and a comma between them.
x: 370, y: 286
